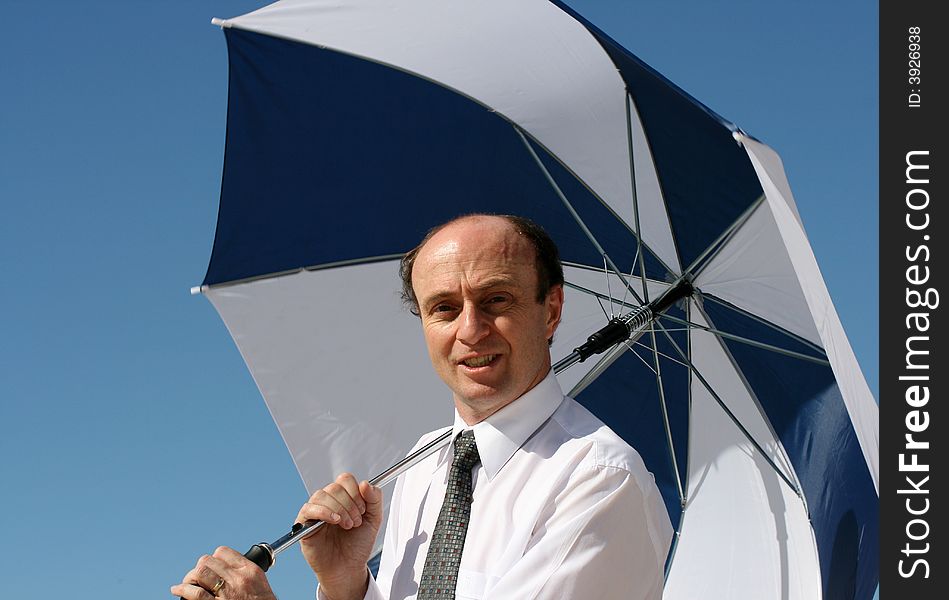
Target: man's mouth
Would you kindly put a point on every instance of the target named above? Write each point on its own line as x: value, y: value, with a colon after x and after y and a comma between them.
x: 479, y: 361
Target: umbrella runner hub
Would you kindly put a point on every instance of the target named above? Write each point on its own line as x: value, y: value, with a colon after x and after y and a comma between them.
x: 623, y: 328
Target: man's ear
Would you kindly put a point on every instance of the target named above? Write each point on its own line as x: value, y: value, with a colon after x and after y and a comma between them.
x: 554, y: 305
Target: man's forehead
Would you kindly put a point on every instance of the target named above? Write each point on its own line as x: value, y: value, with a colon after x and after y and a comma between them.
x: 479, y: 269
x: 471, y: 238
x: 482, y: 254
x: 478, y: 255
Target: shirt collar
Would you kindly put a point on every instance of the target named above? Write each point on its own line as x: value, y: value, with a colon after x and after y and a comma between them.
x: 500, y: 435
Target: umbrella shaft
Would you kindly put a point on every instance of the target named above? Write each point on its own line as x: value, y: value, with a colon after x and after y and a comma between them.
x: 617, y: 330
x: 567, y: 361
x: 379, y: 480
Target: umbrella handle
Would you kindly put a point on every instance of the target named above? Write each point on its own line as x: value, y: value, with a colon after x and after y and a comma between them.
x: 261, y: 555
x: 265, y: 554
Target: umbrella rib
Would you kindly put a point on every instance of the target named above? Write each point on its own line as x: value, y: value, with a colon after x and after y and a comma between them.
x: 599, y: 298
x: 731, y: 415
x: 665, y: 415
x: 751, y: 342
x: 663, y: 354
x: 643, y: 360
x: 320, y: 267
x: 599, y: 295
x: 609, y: 289
x: 597, y: 369
x: 688, y: 459
x: 603, y: 308
x: 576, y: 216
x: 761, y: 411
x: 764, y: 322
x: 635, y: 198
x: 524, y: 135
x: 715, y: 247
x: 632, y: 270
x: 688, y: 349
x: 600, y: 366
x: 586, y: 267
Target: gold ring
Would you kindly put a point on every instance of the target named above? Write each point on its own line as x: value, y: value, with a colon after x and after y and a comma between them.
x: 217, y: 586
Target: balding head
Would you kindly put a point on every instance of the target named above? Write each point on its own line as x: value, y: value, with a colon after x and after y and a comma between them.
x: 546, y: 256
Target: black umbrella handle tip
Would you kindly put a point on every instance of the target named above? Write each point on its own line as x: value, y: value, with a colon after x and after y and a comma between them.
x: 260, y: 555
x: 614, y: 332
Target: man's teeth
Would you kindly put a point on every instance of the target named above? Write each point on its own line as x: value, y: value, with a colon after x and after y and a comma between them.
x: 480, y: 361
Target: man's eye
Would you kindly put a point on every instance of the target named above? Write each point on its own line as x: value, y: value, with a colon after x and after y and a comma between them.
x: 443, y: 308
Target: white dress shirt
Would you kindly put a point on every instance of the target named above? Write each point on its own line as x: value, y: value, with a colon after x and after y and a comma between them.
x: 563, y: 508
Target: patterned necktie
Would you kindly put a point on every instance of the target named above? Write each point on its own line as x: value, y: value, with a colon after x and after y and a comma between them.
x: 440, y: 573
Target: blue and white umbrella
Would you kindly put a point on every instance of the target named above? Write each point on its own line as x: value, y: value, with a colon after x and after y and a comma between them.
x: 355, y: 126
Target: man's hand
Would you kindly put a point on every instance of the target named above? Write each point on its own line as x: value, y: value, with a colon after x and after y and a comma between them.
x: 242, y: 579
x: 338, y: 551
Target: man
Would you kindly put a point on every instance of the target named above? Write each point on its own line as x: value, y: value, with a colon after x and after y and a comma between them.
x: 555, y: 504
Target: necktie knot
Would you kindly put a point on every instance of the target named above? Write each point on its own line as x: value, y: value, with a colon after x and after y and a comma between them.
x: 466, y: 452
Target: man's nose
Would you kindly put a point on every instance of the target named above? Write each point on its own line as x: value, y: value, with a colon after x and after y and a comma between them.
x: 472, y: 325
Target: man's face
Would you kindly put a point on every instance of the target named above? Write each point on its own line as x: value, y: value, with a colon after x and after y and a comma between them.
x: 476, y: 285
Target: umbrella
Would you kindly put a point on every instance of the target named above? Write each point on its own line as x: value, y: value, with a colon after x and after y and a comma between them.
x: 353, y: 128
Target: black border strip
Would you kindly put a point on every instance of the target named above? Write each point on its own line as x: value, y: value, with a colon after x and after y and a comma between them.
x: 913, y: 264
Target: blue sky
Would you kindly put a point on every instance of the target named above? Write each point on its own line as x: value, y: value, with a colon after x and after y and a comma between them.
x: 133, y: 437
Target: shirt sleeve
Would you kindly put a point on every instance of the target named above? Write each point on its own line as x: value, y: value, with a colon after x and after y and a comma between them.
x: 604, y: 536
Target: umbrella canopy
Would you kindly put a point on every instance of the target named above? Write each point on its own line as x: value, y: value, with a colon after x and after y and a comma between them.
x: 353, y: 128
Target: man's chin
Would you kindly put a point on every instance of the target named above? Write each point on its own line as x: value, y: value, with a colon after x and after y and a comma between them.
x: 479, y: 402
